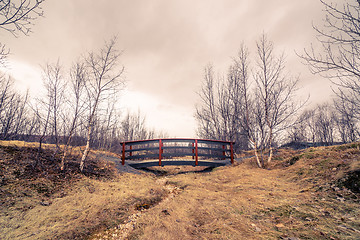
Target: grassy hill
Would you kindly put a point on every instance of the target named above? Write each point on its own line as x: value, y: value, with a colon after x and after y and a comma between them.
x: 308, y: 194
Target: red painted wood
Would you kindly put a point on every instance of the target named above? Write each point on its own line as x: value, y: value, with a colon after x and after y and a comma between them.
x: 195, y: 147
x: 156, y: 139
x: 196, y: 153
x: 160, y: 151
x: 193, y: 151
x: 223, y: 151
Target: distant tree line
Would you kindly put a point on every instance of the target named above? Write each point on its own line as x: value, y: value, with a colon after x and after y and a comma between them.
x: 326, y: 124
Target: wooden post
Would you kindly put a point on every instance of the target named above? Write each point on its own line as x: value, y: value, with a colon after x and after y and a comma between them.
x: 130, y: 150
x: 160, y: 151
x: 223, y: 146
x: 123, y: 154
x: 193, y: 151
x: 232, y: 153
x: 196, y: 152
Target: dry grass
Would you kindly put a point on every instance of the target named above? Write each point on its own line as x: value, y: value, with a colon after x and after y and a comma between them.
x: 304, y: 196
x: 43, y: 203
x: 75, y: 151
x: 245, y: 202
x: 15, y: 143
x: 90, y: 206
x: 230, y: 203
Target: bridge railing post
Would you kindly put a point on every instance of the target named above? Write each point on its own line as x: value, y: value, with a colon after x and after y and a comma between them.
x: 223, y: 146
x: 193, y: 150
x: 196, y: 153
x: 160, y: 151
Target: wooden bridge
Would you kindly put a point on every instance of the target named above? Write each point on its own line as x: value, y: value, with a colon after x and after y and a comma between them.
x: 177, y: 147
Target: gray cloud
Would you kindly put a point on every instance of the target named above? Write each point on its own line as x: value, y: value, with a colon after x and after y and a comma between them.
x: 167, y: 43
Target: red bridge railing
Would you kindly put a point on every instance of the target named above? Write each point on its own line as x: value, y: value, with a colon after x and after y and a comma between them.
x: 177, y: 147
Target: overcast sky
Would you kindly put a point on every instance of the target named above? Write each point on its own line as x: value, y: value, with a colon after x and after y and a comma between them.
x: 167, y: 44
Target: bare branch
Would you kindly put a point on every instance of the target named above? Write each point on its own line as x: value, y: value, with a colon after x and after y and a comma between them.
x: 338, y: 58
x: 18, y: 15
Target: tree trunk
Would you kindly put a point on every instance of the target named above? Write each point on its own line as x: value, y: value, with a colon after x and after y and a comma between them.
x: 256, y: 154
x: 86, y: 151
x: 270, y: 146
x: 270, y: 154
x: 62, y: 165
x: 68, y: 143
x: 38, y: 153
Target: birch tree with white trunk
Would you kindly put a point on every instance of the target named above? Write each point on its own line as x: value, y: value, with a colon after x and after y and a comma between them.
x: 104, y: 81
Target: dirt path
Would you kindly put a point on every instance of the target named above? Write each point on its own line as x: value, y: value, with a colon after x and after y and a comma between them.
x: 121, y: 168
x: 232, y: 203
x: 125, y: 229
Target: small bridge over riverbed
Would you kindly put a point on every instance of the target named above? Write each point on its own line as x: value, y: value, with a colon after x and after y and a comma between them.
x: 176, y: 149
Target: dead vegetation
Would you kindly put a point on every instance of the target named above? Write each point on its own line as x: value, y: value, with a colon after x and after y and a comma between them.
x: 309, y: 194
x: 42, y: 202
x: 304, y: 196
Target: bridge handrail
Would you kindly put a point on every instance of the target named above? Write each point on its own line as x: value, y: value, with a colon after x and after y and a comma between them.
x: 227, y: 147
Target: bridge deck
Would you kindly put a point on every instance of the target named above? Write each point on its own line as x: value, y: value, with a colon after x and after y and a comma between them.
x: 181, y: 162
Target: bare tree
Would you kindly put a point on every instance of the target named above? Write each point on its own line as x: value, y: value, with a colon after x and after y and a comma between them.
x: 42, y: 113
x: 241, y: 99
x: 32, y: 125
x: 346, y: 120
x: 46, y: 108
x: 12, y: 109
x: 104, y: 125
x: 133, y: 127
x: 75, y: 102
x: 13, y: 116
x: 257, y: 113
x: 22, y: 112
x: 310, y: 116
x: 5, y: 92
x: 337, y: 58
x: 206, y: 113
x: 305, y: 128
x: 275, y: 105
x: 246, y: 98
x: 104, y: 81
x: 55, y: 86
x: 230, y: 106
x: 219, y: 111
x: 4, y: 52
x: 325, y: 123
